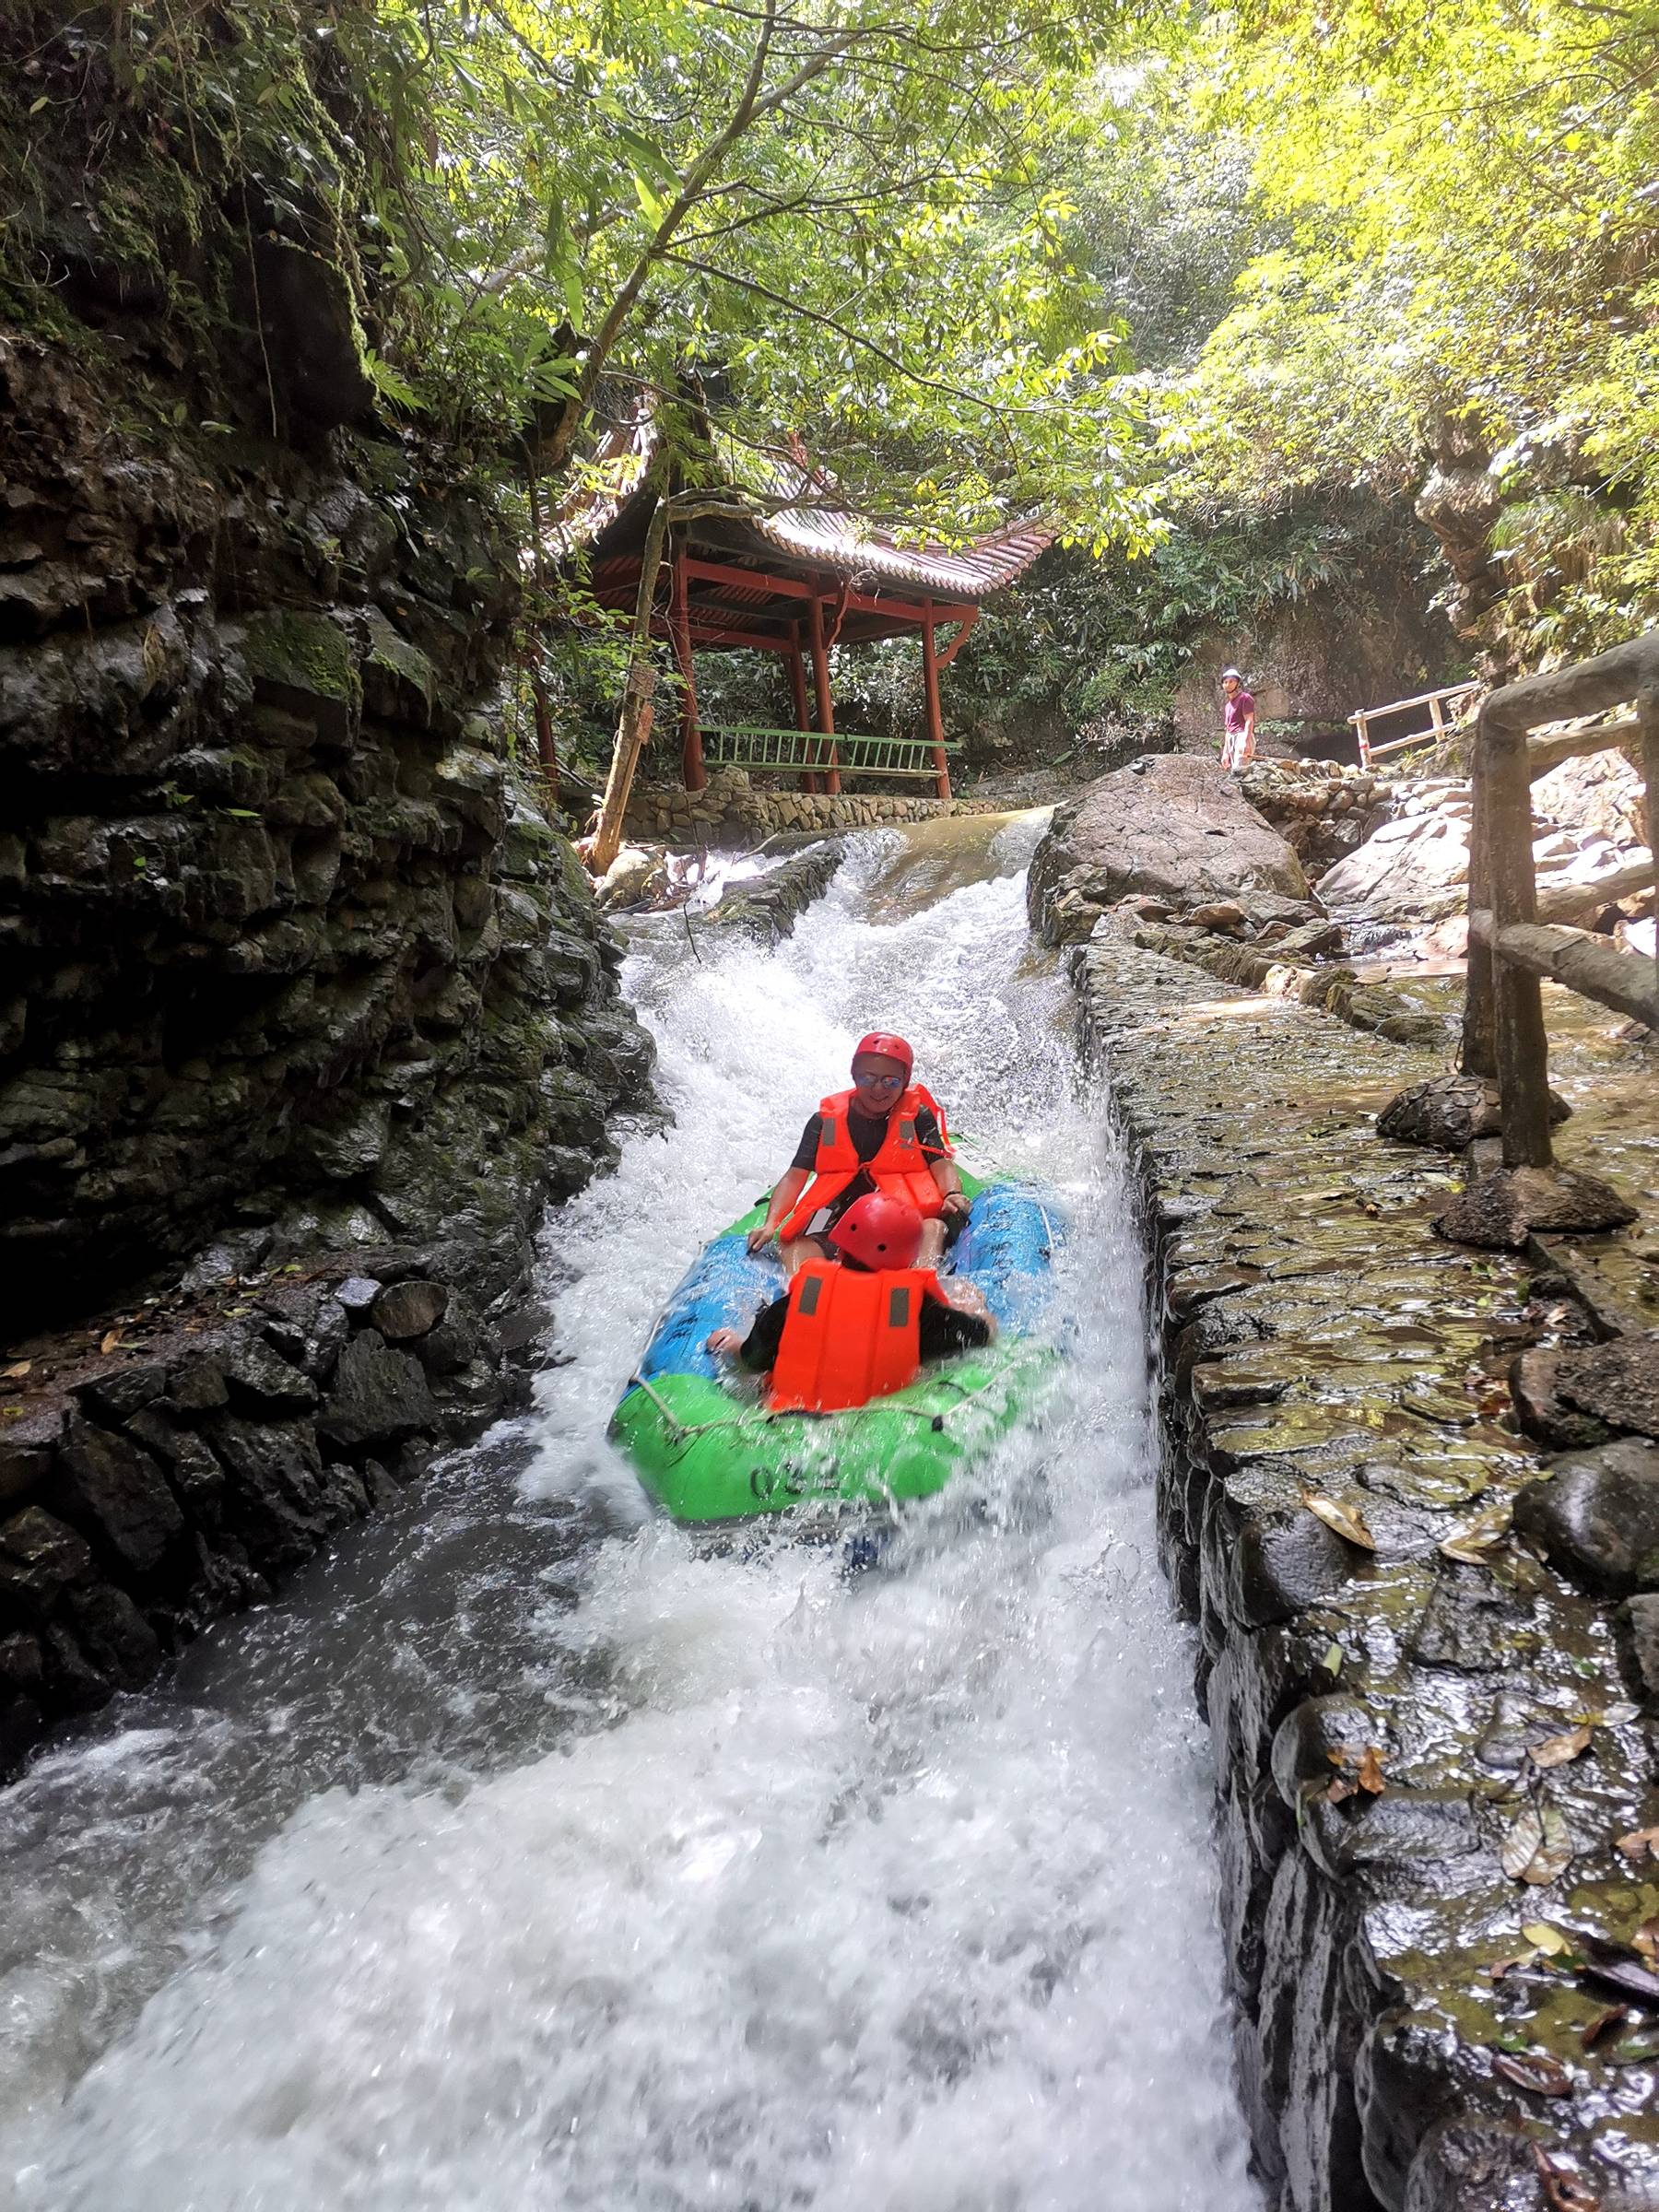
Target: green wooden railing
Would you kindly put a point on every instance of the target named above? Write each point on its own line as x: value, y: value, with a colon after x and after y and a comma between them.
x: 744, y: 745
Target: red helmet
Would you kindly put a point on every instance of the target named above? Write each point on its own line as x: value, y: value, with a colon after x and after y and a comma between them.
x: 879, y: 1231
x: 889, y: 1047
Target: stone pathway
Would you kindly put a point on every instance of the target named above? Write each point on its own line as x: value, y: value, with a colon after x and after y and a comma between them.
x: 1428, y: 1758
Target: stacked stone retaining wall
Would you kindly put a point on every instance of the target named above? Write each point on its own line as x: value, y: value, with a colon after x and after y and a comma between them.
x: 1432, y: 1766
x: 731, y: 810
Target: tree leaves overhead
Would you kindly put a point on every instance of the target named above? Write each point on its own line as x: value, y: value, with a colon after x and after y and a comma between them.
x: 845, y: 219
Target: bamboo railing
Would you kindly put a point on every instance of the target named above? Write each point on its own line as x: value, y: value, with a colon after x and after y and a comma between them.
x: 1510, y: 951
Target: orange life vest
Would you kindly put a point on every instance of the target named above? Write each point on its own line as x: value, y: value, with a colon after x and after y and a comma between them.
x: 900, y: 1167
x: 848, y: 1337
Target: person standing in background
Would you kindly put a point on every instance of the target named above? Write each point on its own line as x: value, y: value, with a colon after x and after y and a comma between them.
x: 1238, y: 721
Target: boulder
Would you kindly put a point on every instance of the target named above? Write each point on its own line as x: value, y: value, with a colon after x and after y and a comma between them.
x: 1502, y: 1209
x: 1168, y: 825
x: 1597, y: 1516
x: 1409, y: 870
x: 378, y: 1393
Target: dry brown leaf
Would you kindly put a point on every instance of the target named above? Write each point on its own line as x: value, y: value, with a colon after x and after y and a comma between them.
x: 112, y: 1338
x: 1556, y: 1751
x: 1642, y: 1842
x: 16, y: 1373
x: 1371, y: 1778
x: 1346, y: 1520
x: 1537, y: 1847
x: 1646, y: 1937
x: 1535, y: 2072
x: 1480, y: 1537
x: 1592, y: 2032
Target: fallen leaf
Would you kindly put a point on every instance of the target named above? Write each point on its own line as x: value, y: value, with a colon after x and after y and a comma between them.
x: 1646, y: 1937
x: 111, y: 1340
x: 1537, y: 1847
x: 1346, y: 1520
x: 1635, y: 2051
x: 1535, y: 2072
x: 1564, y: 2189
x: 1642, y: 1842
x: 1341, y: 1789
x: 1543, y: 1937
x: 1556, y: 1751
x: 1332, y: 1662
x: 1626, y: 1974
x: 16, y: 1373
x: 1593, y: 2030
x: 1471, y: 1543
x: 1609, y: 1716
x: 1371, y: 1778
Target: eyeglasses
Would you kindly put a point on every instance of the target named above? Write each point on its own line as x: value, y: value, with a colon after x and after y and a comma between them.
x: 878, y: 1082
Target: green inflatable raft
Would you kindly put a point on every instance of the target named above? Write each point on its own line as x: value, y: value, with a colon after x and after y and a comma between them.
x: 708, y: 1450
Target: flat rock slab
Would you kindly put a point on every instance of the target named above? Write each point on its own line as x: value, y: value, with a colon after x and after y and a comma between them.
x: 1168, y: 825
x: 1340, y: 1411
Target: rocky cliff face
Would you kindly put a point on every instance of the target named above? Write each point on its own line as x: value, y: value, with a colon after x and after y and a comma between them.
x: 304, y: 1009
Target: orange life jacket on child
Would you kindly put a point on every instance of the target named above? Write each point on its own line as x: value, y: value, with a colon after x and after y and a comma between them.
x: 901, y: 1167
x: 848, y: 1337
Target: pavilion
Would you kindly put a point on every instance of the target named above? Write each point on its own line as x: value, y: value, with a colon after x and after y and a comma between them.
x: 795, y: 579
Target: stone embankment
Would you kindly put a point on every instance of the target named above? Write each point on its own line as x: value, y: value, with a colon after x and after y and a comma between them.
x: 1427, y: 1651
x: 730, y: 810
x: 304, y: 1012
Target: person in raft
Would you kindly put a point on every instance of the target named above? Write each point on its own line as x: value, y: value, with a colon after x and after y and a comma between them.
x: 858, y: 1324
x: 886, y: 1134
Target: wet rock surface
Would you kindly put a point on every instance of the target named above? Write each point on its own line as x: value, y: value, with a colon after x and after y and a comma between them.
x: 305, y: 1011
x: 1165, y: 825
x: 768, y: 907
x: 1432, y: 1763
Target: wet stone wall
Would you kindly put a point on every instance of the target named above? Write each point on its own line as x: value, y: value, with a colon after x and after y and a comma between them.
x: 1433, y: 1757
x: 305, y: 1011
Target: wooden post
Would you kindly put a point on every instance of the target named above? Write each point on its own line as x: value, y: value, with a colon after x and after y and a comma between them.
x: 1435, y: 715
x: 1477, y: 1054
x: 820, y: 679
x: 1647, y: 715
x: 691, y: 753
x: 930, y: 690
x: 1360, y: 722
x: 1517, y: 1000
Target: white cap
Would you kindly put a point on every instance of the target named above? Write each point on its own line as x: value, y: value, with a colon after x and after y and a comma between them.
x: 1227, y: 671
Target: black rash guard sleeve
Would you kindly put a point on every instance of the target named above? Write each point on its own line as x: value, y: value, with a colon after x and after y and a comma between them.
x: 944, y: 1331
x: 806, y: 1150
x: 759, y: 1350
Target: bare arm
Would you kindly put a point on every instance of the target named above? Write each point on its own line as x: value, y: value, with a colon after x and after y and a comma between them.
x: 787, y: 1190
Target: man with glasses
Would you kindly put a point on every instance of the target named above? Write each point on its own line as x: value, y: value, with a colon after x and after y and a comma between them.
x: 886, y: 1134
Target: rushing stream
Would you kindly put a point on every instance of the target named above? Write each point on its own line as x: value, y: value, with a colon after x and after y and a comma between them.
x: 529, y: 1854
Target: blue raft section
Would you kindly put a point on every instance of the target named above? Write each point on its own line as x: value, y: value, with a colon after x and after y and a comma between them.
x: 1013, y: 1230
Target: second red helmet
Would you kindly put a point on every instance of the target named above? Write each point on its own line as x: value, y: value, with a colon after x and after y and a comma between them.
x: 879, y: 1231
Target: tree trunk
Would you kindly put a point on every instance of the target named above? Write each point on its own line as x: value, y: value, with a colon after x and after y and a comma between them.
x: 633, y: 724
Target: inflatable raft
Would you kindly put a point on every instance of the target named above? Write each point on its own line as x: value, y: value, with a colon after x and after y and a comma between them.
x: 708, y: 1450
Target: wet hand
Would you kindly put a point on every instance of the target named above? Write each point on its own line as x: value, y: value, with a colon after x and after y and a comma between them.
x: 759, y: 1239
x: 956, y: 1201
x: 726, y: 1343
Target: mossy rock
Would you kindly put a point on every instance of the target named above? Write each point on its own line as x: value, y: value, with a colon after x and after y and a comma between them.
x: 304, y: 662
x: 400, y: 681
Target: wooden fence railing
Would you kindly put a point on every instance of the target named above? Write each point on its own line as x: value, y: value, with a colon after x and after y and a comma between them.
x: 1509, y: 948
x: 745, y: 745
x: 1449, y: 709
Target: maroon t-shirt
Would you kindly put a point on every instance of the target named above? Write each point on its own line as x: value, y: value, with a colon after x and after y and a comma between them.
x: 1234, y: 710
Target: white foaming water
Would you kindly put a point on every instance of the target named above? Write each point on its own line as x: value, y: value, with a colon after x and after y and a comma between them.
x: 862, y: 1892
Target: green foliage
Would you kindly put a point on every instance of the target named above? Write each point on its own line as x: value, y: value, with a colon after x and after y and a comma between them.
x: 1469, y: 236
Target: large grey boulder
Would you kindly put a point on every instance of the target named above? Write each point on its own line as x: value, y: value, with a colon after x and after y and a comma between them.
x: 1412, y: 869
x: 1168, y: 824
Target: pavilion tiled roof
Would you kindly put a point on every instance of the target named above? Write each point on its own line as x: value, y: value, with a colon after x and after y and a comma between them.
x: 818, y: 532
